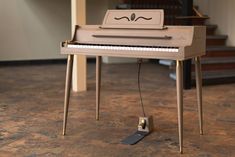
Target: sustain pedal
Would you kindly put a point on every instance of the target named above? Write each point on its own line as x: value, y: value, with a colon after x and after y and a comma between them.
x: 145, y: 127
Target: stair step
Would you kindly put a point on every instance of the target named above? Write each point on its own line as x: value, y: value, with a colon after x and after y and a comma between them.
x: 215, y: 54
x: 123, y: 6
x: 211, y: 26
x: 217, y: 60
x: 216, y: 37
x: 196, y: 20
x: 210, y: 64
x: 218, y: 74
x: 220, y: 48
x: 212, y: 75
x: 210, y: 29
x: 213, y: 40
x: 218, y: 63
x: 166, y: 62
x: 172, y: 75
x: 220, y: 51
x: 217, y: 66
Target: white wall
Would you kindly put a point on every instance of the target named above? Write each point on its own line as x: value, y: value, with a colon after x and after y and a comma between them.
x: 222, y: 13
x: 33, y: 29
x: 96, y: 10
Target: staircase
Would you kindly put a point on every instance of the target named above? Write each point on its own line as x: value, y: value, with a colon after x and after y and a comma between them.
x: 218, y: 65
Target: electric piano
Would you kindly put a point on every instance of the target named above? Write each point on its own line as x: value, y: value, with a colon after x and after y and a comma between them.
x: 138, y: 34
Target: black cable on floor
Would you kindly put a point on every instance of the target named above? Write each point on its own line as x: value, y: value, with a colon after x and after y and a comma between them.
x: 141, y: 100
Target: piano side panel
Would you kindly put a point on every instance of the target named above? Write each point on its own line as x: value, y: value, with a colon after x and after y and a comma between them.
x: 194, y: 51
x: 198, y: 47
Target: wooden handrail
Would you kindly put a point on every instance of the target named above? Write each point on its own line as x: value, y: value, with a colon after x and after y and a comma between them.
x: 197, y: 12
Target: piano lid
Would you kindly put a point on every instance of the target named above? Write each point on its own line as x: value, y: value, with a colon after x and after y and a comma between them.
x: 134, y: 19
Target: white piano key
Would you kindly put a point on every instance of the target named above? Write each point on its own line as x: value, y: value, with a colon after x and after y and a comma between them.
x: 146, y: 49
x: 125, y: 48
x: 136, y: 49
x: 149, y: 49
x: 173, y: 50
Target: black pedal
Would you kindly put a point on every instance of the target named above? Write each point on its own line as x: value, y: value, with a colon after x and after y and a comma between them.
x: 145, y: 127
x: 135, y: 138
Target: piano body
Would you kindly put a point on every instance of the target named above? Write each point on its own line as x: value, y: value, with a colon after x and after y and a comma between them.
x: 138, y: 34
x: 173, y: 42
x: 162, y: 42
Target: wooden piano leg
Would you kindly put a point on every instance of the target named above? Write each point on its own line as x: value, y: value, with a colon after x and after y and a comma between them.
x: 67, y: 90
x: 179, y: 89
x: 199, y: 91
x: 98, y: 82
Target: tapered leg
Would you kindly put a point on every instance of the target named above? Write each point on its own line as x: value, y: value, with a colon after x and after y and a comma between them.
x: 179, y: 87
x: 199, y: 91
x: 67, y: 90
x: 98, y: 82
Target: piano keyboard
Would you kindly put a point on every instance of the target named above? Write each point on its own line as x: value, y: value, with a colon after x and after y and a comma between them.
x: 124, y: 48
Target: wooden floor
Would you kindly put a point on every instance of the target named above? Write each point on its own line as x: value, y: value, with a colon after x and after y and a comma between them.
x: 31, y: 112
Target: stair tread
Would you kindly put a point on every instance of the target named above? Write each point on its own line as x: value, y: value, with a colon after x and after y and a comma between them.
x: 166, y: 62
x: 211, y: 26
x: 216, y: 36
x: 191, y: 17
x: 218, y: 60
x: 220, y: 74
x: 220, y: 48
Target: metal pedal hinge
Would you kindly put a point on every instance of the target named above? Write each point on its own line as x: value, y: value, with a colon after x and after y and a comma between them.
x: 145, y: 127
